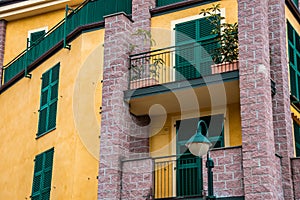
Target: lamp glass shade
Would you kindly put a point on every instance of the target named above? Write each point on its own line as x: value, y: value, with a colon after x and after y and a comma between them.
x: 198, y: 144
x: 198, y: 149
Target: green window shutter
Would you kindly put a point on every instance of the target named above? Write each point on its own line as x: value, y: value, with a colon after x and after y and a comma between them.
x: 294, y: 60
x: 42, y: 176
x: 49, y: 97
x: 296, y: 2
x: 297, y: 138
x: 195, y: 45
x: 35, y: 36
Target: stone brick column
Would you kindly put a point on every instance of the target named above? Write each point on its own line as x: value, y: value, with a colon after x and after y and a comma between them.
x: 2, y: 45
x: 258, y: 150
x: 122, y: 135
x: 282, y: 122
x: 115, y: 117
x: 141, y: 20
x: 141, y: 17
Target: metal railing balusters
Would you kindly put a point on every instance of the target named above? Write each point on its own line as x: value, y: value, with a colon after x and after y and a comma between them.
x: 168, y: 65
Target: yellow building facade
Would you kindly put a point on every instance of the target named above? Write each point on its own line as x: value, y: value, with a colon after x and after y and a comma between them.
x: 75, y: 137
x: 99, y: 98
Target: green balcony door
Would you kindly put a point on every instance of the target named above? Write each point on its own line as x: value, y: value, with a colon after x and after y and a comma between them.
x: 195, y: 46
x: 189, y: 180
x: 189, y: 167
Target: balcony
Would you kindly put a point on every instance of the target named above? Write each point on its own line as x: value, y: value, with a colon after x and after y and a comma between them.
x: 173, y: 64
x: 88, y: 13
x: 161, y: 75
x: 183, y: 176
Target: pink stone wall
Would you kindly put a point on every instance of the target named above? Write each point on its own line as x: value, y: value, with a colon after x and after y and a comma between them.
x: 115, y: 120
x: 2, y: 45
x: 122, y: 135
x: 258, y: 153
x: 228, y: 172
x: 137, y: 179
x: 282, y: 122
x: 295, y: 162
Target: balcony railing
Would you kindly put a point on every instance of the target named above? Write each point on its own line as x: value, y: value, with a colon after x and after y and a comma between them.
x: 160, y: 3
x: 177, y: 176
x: 89, y: 12
x: 183, y: 176
x: 176, y: 63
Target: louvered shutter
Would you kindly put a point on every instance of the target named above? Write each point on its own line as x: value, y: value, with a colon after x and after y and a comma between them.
x: 44, y: 103
x: 195, y: 45
x: 185, y: 46
x: 297, y: 138
x: 207, y: 47
x: 53, y: 97
x: 35, y: 36
x: 42, y: 176
x: 294, y: 60
x: 49, y: 97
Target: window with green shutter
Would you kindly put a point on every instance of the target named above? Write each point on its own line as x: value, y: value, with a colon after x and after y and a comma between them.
x: 41, y: 185
x: 297, y: 138
x: 35, y: 36
x: 294, y: 60
x: 195, y: 45
x: 49, y: 97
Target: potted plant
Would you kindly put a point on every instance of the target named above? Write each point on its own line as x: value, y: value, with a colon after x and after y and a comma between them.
x: 144, y: 71
x: 226, y: 55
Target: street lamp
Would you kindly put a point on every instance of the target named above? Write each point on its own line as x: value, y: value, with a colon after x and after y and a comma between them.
x: 199, y: 145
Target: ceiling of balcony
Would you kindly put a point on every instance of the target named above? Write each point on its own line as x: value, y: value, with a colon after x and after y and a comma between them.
x: 180, y: 98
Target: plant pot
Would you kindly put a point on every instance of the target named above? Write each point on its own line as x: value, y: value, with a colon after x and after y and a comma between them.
x: 225, y: 67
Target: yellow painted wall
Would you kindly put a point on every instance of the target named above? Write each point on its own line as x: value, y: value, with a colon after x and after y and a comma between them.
x: 163, y: 136
x: 161, y: 25
x: 17, y: 31
x: 76, y: 137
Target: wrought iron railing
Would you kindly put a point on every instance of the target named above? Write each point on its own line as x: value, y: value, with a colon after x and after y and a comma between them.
x: 176, y: 63
x: 160, y: 3
x: 88, y: 12
x: 176, y: 176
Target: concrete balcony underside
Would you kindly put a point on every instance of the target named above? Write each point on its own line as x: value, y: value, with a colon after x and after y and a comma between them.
x: 183, y: 96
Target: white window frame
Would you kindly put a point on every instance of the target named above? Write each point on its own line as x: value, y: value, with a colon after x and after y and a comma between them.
x: 45, y: 28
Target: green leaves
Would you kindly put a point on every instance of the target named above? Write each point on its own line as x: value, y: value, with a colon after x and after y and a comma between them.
x: 227, y: 33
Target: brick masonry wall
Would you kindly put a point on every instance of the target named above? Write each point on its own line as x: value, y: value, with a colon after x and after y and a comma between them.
x: 295, y: 162
x: 123, y: 136
x: 137, y: 179
x: 139, y: 143
x: 2, y: 45
x: 115, y: 120
x: 282, y: 122
x: 228, y: 172
x: 258, y: 153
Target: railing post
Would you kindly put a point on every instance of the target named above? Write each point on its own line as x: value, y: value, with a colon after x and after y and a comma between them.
x: 66, y: 46
x: 210, y: 184
x: 129, y: 73
x: 26, y: 75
